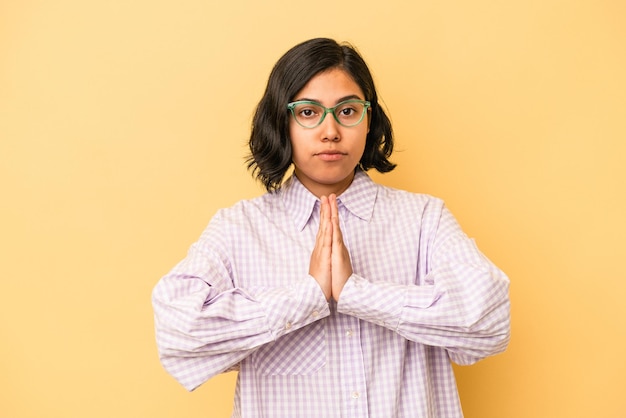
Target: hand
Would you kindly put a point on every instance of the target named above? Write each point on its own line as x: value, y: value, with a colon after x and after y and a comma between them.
x: 341, y: 266
x: 330, y: 261
x: 320, y: 264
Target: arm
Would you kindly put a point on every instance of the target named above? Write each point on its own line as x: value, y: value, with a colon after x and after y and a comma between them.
x: 205, y: 325
x: 463, y: 305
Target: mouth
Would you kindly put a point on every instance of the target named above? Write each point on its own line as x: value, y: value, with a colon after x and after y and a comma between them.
x: 330, y: 155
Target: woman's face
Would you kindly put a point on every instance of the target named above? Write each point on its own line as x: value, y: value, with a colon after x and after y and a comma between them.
x: 325, y: 157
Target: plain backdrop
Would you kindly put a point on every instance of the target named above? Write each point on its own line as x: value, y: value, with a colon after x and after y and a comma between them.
x: 123, y: 128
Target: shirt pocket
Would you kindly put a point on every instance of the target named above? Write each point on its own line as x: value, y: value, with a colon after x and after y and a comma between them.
x: 302, y: 352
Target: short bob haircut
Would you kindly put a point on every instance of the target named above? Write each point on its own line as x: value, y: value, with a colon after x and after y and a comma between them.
x: 270, y: 145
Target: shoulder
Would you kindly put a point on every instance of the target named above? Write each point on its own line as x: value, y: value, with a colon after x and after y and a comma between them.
x: 230, y: 226
x: 248, y: 210
x: 415, y: 211
x: 404, y: 201
x: 418, y: 211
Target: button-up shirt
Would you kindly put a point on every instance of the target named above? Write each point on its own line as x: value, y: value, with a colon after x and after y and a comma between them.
x: 421, y: 295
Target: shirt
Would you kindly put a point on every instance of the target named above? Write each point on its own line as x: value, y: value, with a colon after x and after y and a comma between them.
x: 421, y: 295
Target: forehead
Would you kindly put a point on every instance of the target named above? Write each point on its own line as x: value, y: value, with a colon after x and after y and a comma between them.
x: 330, y: 86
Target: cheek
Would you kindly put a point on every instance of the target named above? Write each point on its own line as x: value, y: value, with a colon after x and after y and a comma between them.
x: 296, y: 136
x: 297, y: 148
x: 363, y: 140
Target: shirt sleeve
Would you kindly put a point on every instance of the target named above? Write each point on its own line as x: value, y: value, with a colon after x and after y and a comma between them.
x: 462, y: 306
x: 205, y: 325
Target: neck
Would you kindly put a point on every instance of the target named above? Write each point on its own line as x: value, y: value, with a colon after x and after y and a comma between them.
x: 320, y: 189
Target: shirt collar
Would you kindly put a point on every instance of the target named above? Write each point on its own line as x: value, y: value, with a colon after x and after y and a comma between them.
x: 358, y: 198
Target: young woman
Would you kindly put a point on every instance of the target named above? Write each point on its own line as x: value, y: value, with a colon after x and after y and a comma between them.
x: 332, y: 295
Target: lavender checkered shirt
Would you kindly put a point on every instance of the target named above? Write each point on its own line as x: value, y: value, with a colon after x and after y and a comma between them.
x: 421, y: 295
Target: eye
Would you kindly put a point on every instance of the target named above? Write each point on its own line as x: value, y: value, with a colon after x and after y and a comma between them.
x: 307, y: 113
x: 348, y: 111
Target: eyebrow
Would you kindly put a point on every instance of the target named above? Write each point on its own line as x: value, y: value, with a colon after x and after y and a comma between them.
x: 342, y: 99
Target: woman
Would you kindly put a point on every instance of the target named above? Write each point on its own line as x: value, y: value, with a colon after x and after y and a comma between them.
x: 332, y: 295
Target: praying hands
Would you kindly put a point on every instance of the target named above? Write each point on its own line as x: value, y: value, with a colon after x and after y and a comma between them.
x: 330, y: 262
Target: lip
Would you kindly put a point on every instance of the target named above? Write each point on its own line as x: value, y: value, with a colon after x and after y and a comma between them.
x: 330, y: 155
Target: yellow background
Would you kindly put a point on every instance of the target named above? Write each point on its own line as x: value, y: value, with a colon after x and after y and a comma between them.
x: 123, y: 127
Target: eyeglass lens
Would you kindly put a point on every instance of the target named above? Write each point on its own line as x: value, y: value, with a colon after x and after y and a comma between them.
x: 347, y: 114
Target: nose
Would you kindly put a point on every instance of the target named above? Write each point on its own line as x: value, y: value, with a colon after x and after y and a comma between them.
x: 330, y: 129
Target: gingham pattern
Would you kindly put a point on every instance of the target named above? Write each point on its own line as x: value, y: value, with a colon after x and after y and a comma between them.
x: 421, y: 295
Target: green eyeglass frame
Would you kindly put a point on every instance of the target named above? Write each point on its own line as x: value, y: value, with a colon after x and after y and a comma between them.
x: 292, y: 106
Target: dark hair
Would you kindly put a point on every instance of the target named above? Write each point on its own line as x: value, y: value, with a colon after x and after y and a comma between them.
x: 270, y: 146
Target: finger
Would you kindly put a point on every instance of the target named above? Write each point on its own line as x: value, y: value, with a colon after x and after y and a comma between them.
x: 322, y: 224
x: 325, y: 221
x: 325, y: 207
x: 332, y: 202
x: 334, y: 216
x: 324, y: 232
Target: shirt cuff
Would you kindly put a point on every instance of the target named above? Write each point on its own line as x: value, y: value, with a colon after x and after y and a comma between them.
x: 379, y: 303
x: 295, y: 307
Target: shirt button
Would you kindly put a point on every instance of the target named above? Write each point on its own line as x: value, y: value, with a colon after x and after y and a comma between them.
x: 288, y: 325
x: 315, y: 314
x: 355, y: 395
x: 349, y: 333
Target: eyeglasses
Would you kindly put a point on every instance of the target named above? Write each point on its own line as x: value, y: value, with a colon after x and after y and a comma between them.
x: 311, y: 114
